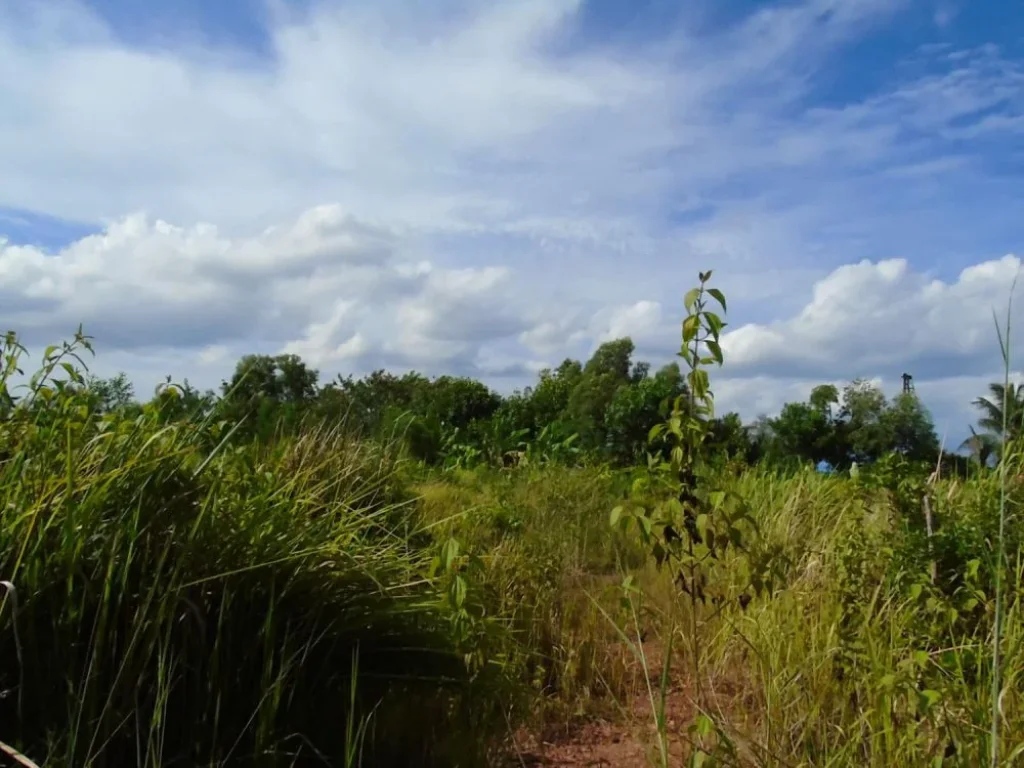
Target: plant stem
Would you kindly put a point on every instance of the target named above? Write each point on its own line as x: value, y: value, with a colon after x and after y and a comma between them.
x: 1004, y: 466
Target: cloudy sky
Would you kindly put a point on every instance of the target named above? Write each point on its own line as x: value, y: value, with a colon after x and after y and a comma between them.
x: 484, y: 188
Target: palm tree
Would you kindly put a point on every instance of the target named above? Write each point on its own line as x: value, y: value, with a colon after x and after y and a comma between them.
x: 991, y: 408
x: 982, y: 446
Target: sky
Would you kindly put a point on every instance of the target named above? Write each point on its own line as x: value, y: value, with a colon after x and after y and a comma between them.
x: 485, y: 188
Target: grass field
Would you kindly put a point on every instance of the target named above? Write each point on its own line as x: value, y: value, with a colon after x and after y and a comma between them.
x: 173, y: 597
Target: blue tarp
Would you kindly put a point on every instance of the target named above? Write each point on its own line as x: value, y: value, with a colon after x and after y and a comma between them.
x: 824, y: 467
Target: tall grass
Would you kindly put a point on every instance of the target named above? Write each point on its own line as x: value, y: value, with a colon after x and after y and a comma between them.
x: 544, y: 551
x: 186, y: 601
x: 1004, y: 334
x: 176, y: 596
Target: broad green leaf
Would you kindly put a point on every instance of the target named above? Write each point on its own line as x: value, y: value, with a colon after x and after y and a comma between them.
x: 704, y: 725
x: 690, y: 300
x: 459, y: 591
x: 450, y: 552
x: 716, y: 350
x: 929, y: 698
x: 714, y: 322
x: 719, y: 297
x: 691, y: 326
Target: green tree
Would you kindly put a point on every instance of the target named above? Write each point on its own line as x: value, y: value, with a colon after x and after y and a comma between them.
x: 823, y: 397
x: 606, y: 371
x: 728, y: 437
x: 549, y: 400
x: 637, y: 406
x: 269, y: 392
x: 1001, y: 398
x: 982, y: 446
x: 372, y: 402
x: 804, y: 432
x: 908, y: 426
x: 116, y: 393
x: 283, y: 379
x: 612, y: 359
x: 868, y: 433
x: 456, y: 402
x: 179, y: 402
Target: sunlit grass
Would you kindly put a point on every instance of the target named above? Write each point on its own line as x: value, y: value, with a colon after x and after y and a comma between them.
x: 179, y: 598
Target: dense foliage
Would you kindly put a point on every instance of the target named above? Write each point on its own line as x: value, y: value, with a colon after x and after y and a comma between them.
x: 399, y: 570
x: 599, y: 411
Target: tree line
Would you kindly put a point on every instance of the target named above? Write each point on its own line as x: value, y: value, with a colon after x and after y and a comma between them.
x: 597, y: 411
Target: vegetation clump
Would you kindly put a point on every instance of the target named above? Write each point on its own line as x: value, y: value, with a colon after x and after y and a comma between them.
x: 397, y: 570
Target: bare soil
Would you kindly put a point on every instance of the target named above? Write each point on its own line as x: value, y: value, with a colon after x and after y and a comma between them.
x: 629, y: 741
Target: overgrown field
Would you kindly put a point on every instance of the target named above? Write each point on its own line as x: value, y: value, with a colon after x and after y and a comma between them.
x: 178, y: 594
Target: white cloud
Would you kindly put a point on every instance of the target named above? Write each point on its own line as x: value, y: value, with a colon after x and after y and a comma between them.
x: 379, y: 110
x: 457, y: 118
x: 366, y: 308
x: 214, y: 353
x: 868, y: 317
x: 328, y: 341
x: 326, y: 287
x: 636, y: 320
x: 554, y: 336
x: 477, y: 187
x: 876, y: 321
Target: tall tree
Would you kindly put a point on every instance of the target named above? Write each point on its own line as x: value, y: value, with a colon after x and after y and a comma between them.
x: 908, y: 426
x: 606, y: 371
x: 269, y: 392
x: 116, y: 393
x: 730, y: 438
x: 803, y: 431
x: 823, y: 397
x: 456, y: 402
x: 635, y: 407
x: 372, y: 401
x: 549, y: 400
x: 868, y: 433
x: 1010, y: 400
x: 982, y: 446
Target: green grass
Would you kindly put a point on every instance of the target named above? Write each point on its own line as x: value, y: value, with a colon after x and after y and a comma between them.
x: 180, y: 606
x: 186, y: 600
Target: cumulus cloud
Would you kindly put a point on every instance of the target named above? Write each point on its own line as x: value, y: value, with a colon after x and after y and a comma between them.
x: 636, y: 320
x: 483, y: 187
x: 329, y: 341
x: 876, y: 321
x: 326, y: 287
x: 336, y: 292
x: 869, y: 317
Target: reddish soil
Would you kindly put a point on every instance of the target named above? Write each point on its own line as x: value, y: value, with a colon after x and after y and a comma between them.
x: 630, y: 741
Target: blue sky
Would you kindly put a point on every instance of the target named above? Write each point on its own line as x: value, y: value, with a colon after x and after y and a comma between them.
x: 484, y: 188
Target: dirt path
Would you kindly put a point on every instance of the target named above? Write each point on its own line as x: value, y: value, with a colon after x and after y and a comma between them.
x: 627, y: 742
